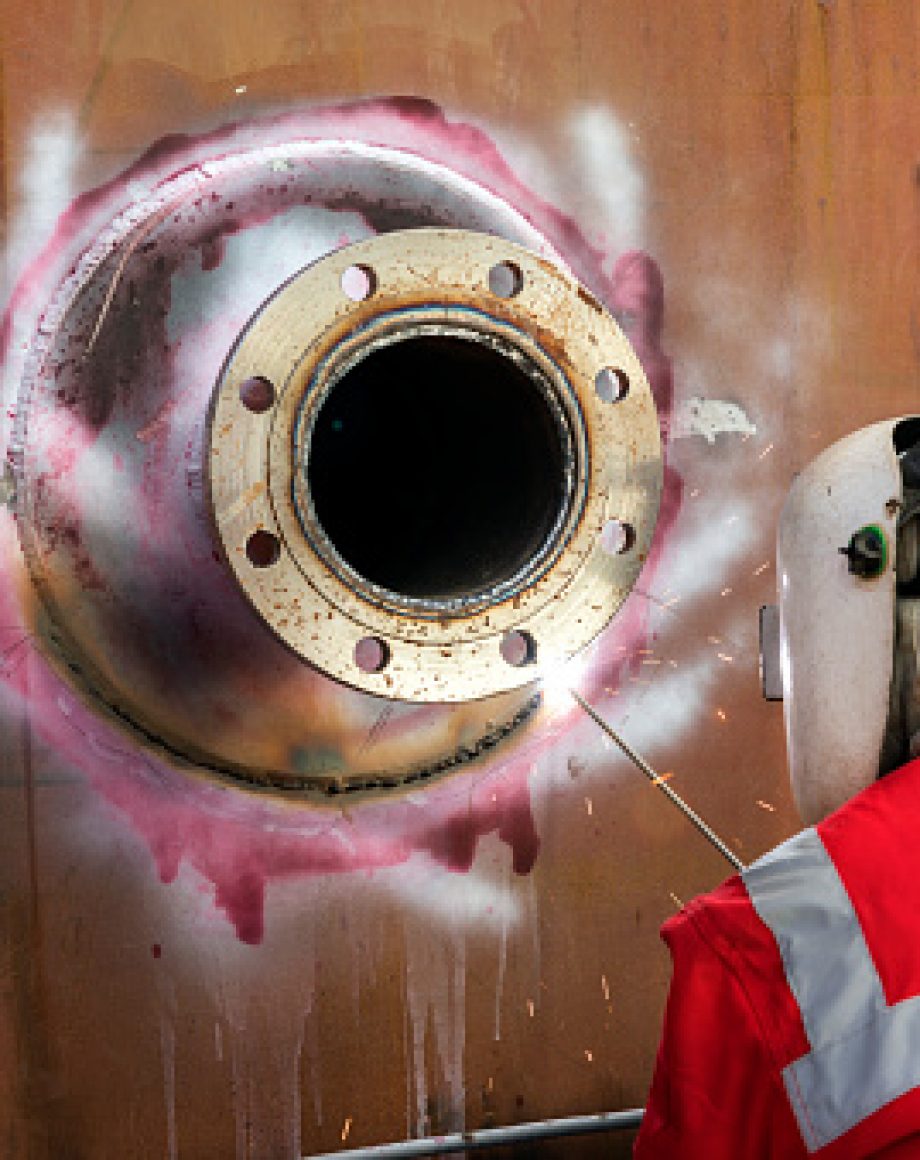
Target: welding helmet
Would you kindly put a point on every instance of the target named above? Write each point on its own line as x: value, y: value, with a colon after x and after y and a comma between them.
x: 841, y: 648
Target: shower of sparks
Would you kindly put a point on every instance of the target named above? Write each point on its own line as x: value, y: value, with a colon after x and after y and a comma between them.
x: 643, y: 766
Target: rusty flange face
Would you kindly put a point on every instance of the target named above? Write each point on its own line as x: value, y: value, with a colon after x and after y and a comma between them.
x: 304, y: 341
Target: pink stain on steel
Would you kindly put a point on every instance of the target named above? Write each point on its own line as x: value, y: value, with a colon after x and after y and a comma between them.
x: 237, y: 840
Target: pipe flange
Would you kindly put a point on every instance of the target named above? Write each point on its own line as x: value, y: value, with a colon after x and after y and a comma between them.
x: 480, y: 336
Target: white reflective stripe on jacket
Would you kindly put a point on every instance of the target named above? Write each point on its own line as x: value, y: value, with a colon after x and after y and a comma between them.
x: 864, y: 1053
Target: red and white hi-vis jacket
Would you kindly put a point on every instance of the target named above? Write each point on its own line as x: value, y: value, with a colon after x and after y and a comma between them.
x: 793, y: 1022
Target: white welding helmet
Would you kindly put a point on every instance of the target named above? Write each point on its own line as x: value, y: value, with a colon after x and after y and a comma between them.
x: 842, y: 651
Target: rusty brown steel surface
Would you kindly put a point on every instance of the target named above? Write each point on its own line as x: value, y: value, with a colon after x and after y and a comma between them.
x: 777, y: 147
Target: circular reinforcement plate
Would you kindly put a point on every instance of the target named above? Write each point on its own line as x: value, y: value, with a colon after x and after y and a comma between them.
x: 434, y: 283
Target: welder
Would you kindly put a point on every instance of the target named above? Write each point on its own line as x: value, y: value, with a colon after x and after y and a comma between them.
x: 792, y: 1026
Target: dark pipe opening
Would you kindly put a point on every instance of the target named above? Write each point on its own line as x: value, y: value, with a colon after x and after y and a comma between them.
x: 436, y: 467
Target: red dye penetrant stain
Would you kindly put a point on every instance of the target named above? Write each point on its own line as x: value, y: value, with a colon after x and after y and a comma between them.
x: 237, y: 841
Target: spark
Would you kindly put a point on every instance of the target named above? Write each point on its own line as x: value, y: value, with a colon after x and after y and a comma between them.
x: 714, y: 639
x: 766, y: 451
x: 725, y: 657
x: 589, y: 1056
x: 677, y: 902
x: 766, y: 806
x: 589, y: 806
x: 720, y: 713
x: 663, y: 777
x: 605, y: 988
x: 239, y: 90
x: 763, y: 567
x: 651, y: 661
x: 346, y: 1129
x: 694, y: 493
x: 725, y: 592
x: 530, y: 1008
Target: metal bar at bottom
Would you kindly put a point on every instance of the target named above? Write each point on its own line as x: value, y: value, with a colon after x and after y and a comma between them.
x: 492, y: 1137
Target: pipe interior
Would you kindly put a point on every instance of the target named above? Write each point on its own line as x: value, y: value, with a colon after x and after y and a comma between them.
x: 436, y: 467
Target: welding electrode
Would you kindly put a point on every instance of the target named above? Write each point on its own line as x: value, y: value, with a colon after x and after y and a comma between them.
x: 658, y: 781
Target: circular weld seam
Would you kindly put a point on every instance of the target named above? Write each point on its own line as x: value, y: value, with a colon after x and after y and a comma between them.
x: 456, y: 659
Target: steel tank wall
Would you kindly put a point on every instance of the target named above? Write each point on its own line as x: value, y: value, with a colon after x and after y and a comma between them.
x: 768, y: 160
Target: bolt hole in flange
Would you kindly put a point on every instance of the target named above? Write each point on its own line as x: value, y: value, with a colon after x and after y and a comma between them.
x: 257, y: 394
x: 372, y: 655
x: 263, y: 549
x: 617, y: 537
x: 358, y: 282
x: 611, y: 384
x: 518, y: 648
x: 506, y: 279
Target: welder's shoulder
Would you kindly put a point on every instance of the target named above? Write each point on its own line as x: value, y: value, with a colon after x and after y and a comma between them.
x: 723, y: 920
x: 718, y: 942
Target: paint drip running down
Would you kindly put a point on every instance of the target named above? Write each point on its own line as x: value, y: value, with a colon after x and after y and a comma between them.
x: 149, y: 280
